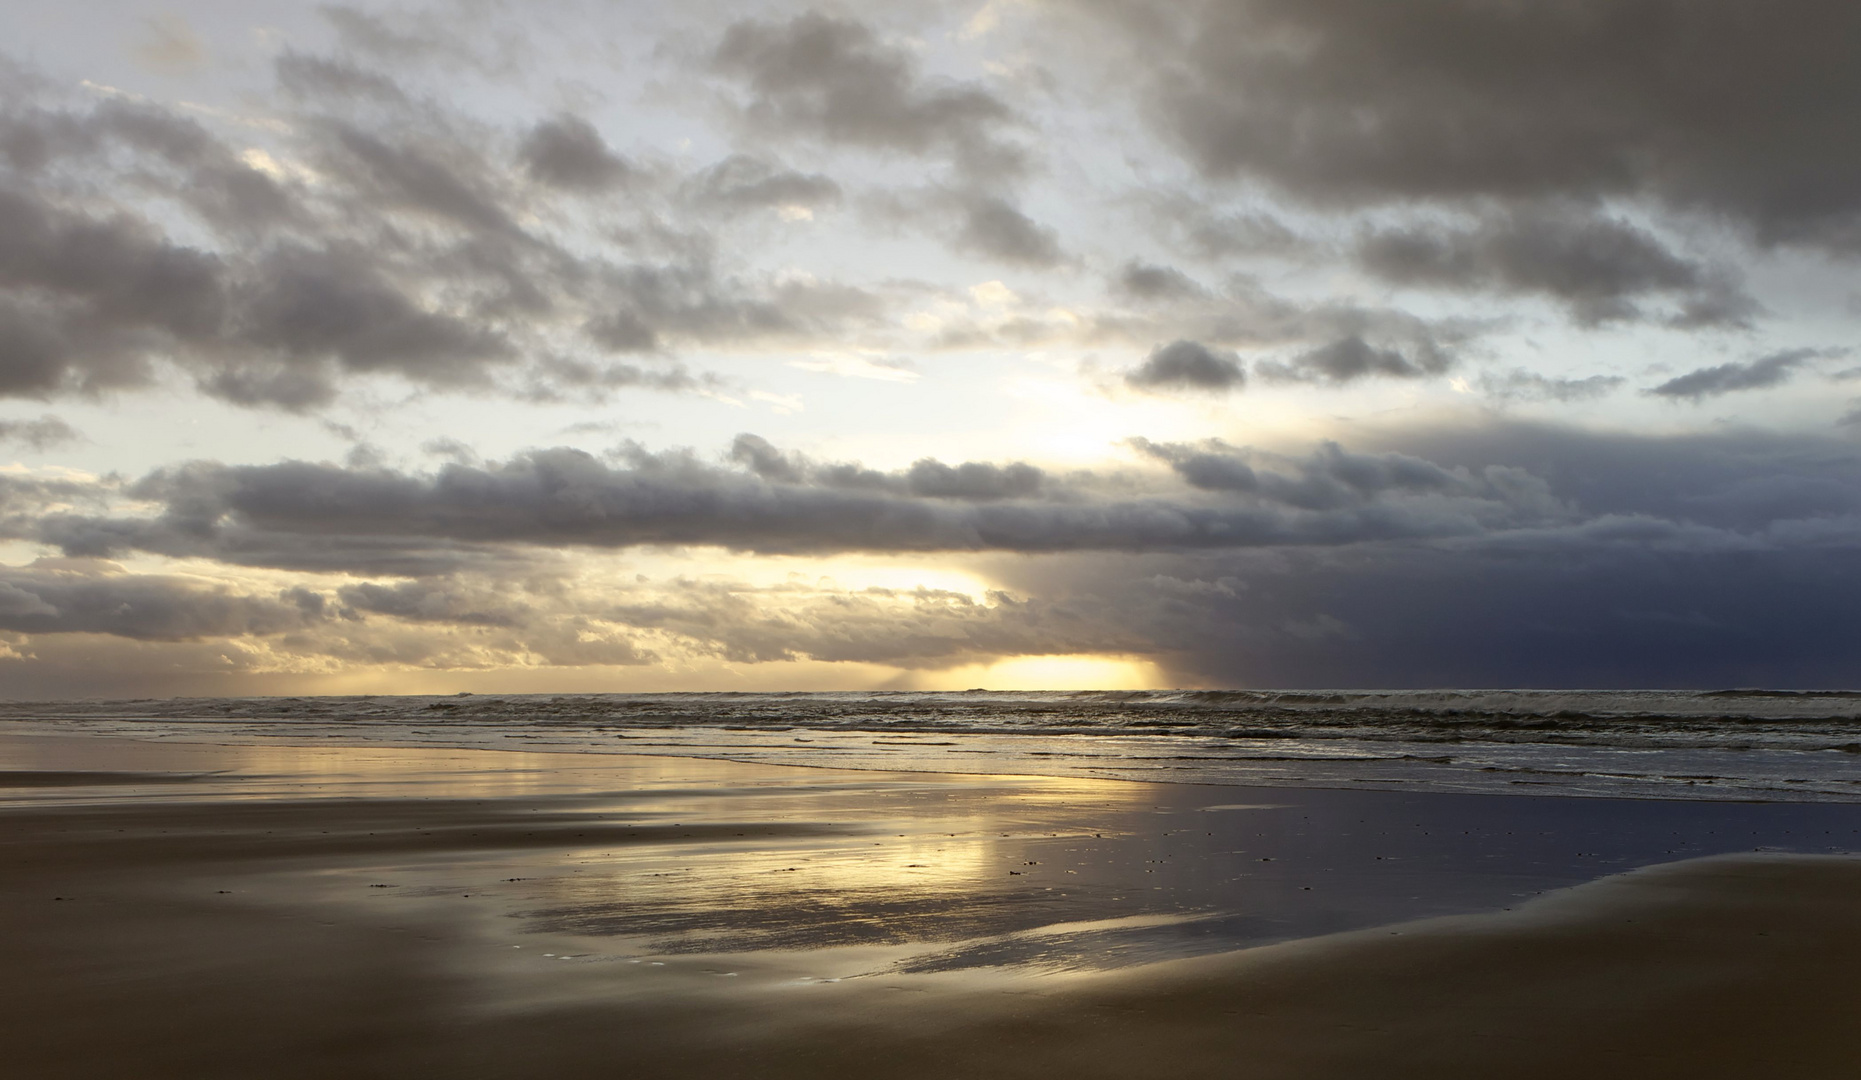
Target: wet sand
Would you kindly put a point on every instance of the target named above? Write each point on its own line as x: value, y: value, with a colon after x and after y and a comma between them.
x: 202, y: 911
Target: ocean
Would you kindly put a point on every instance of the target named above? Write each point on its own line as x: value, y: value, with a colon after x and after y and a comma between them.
x: 1745, y: 745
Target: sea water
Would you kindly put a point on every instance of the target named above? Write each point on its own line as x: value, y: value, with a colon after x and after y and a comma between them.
x: 1793, y: 746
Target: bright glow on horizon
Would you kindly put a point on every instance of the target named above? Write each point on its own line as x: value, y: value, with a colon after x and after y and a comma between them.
x: 1077, y: 672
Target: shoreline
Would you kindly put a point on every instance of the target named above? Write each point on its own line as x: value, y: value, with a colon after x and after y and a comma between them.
x: 372, y: 911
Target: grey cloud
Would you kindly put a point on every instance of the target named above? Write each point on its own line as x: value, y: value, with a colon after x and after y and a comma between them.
x: 301, y: 515
x: 767, y: 461
x: 1728, y: 106
x: 1641, y: 559
x: 564, y: 379
x: 972, y: 480
x: 419, y: 270
x: 40, y: 434
x: 1531, y: 386
x: 430, y: 601
x: 1147, y: 281
x: 1187, y: 365
x: 208, y: 177
x: 1200, y: 228
x: 567, y: 152
x: 834, y: 79
x: 75, y: 598
x: 741, y: 182
x: 995, y: 228
x: 309, y: 76
x: 416, y: 179
x: 926, y: 478
x: 1333, y: 477
x: 1768, y: 371
x: 315, y: 304
x: 622, y: 332
x: 1349, y: 359
x: 1597, y: 266
x: 430, y: 35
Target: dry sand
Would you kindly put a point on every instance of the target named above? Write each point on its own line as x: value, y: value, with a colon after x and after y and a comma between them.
x: 337, y: 912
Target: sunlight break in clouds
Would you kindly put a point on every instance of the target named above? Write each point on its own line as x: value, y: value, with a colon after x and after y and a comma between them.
x: 432, y: 345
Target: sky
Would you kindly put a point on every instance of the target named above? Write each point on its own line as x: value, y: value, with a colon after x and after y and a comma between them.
x: 564, y: 346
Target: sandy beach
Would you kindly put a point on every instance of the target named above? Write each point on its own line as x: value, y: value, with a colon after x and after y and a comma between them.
x: 186, y: 909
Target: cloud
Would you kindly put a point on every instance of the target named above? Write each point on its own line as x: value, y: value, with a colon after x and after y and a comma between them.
x: 77, y: 597
x: 1349, y: 359
x: 305, y: 75
x: 741, y: 182
x: 994, y: 228
x: 442, y: 601
x: 41, y: 434
x: 299, y: 515
x: 1147, y: 281
x: 1646, y: 559
x: 1186, y: 365
x: 1531, y: 386
x: 432, y: 35
x: 567, y: 152
x: 834, y: 79
x: 1768, y: 371
x: 170, y: 46
x: 364, y: 251
x: 1717, y: 107
x: 1201, y: 229
x: 1333, y: 478
x: 451, y: 187
x: 1596, y: 266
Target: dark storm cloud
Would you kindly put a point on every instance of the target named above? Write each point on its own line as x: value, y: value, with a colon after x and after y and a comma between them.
x: 1187, y: 365
x: 40, y: 434
x: 77, y: 598
x: 1597, y: 266
x: 1742, y: 482
x: 1773, y: 370
x: 1412, y: 616
x: 567, y: 152
x: 1717, y: 559
x: 1735, y: 107
x: 834, y: 79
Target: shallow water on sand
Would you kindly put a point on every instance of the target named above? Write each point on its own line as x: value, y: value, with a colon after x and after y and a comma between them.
x: 647, y: 858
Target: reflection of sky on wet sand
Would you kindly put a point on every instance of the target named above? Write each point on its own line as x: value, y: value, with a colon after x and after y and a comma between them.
x: 682, y: 862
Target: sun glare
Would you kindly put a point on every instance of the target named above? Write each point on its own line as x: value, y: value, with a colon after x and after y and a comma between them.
x: 1076, y: 672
